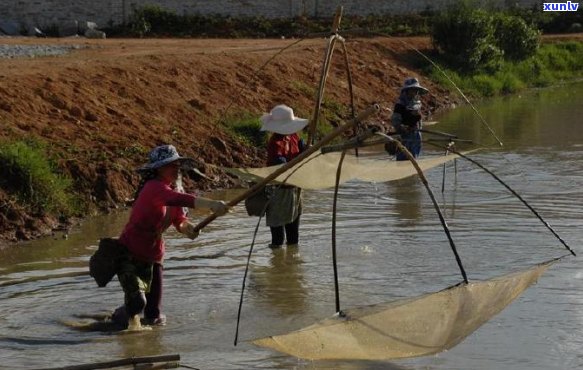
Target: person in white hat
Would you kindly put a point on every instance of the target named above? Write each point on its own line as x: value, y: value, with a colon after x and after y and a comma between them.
x: 285, y: 205
x: 157, y: 205
x: 406, y: 118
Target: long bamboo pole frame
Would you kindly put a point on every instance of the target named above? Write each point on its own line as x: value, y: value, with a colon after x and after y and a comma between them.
x: 305, y: 154
x: 324, y: 75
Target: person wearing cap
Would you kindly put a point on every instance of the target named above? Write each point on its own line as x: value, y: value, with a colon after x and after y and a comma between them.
x: 285, y: 204
x: 406, y: 118
x: 157, y: 205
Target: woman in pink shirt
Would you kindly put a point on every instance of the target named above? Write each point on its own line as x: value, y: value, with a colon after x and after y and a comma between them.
x: 157, y: 205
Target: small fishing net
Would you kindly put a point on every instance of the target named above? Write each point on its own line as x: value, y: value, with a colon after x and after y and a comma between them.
x: 409, y: 327
x: 319, y: 171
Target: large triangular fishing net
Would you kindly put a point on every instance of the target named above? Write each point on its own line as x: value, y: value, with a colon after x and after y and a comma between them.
x: 408, y: 327
x: 318, y: 171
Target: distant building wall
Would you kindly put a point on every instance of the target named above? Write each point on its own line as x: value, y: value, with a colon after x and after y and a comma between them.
x: 53, y: 12
x: 105, y: 12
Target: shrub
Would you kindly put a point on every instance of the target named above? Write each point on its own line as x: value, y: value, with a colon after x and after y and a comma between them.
x: 465, y: 36
x: 139, y: 24
x: 27, y: 173
x: 472, y: 39
x: 515, y: 38
x: 547, y: 22
x: 154, y: 20
x: 575, y: 28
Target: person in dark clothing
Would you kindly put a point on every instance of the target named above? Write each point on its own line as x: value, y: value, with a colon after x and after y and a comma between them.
x: 285, y: 206
x: 406, y: 118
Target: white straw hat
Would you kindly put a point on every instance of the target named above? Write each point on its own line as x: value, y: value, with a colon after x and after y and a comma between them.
x: 281, y: 120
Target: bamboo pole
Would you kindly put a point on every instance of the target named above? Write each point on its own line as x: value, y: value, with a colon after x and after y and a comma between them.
x: 355, y: 143
x: 325, y: 140
x: 513, y: 192
x: 324, y: 74
x: 349, y: 76
x: 435, y: 205
x: 123, y: 362
x: 439, y: 133
x: 337, y: 18
x: 319, y: 97
x: 167, y: 365
x: 334, y: 211
x: 350, y: 87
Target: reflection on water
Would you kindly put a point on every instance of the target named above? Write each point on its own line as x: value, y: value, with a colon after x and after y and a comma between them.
x: 280, y: 283
x: 390, y: 245
x: 540, y: 118
x: 407, y: 194
x: 145, y: 343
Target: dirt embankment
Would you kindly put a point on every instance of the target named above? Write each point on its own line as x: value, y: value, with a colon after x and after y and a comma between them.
x: 104, y: 105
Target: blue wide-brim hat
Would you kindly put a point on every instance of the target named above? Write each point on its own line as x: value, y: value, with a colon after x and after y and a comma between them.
x: 413, y: 83
x: 161, y: 156
x: 165, y: 154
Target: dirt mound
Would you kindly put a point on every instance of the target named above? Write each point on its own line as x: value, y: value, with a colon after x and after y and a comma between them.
x: 104, y: 105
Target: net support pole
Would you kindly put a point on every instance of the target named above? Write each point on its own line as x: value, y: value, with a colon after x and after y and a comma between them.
x: 423, y: 179
x: 324, y: 75
x: 547, y: 225
x: 334, y: 211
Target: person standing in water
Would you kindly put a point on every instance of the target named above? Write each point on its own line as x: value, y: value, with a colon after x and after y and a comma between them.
x: 157, y: 205
x: 285, y: 205
x: 406, y: 118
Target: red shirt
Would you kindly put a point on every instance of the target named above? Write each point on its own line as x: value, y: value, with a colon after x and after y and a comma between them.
x: 157, y: 207
x: 282, y: 148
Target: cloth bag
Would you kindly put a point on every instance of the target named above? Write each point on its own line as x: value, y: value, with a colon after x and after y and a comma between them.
x: 256, y: 204
x: 104, y: 263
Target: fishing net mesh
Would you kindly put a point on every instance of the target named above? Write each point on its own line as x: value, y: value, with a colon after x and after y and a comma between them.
x: 404, y: 328
x: 319, y: 171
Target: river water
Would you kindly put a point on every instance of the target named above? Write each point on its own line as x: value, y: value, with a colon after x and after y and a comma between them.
x: 390, y: 245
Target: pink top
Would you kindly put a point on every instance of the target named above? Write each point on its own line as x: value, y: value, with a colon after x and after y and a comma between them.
x: 142, y: 235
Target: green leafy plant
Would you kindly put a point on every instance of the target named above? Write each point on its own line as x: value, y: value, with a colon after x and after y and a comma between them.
x: 27, y: 173
x: 515, y: 38
x: 473, y: 39
x: 464, y: 35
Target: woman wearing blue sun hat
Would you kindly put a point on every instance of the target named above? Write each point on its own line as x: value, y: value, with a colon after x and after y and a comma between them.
x: 158, y: 204
x: 406, y: 118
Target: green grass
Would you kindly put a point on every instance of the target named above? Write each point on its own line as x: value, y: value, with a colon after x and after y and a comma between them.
x: 553, y: 63
x: 303, y: 89
x: 246, y: 127
x: 27, y: 172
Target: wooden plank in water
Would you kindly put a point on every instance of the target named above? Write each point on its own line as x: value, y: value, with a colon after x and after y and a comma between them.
x: 145, y: 361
